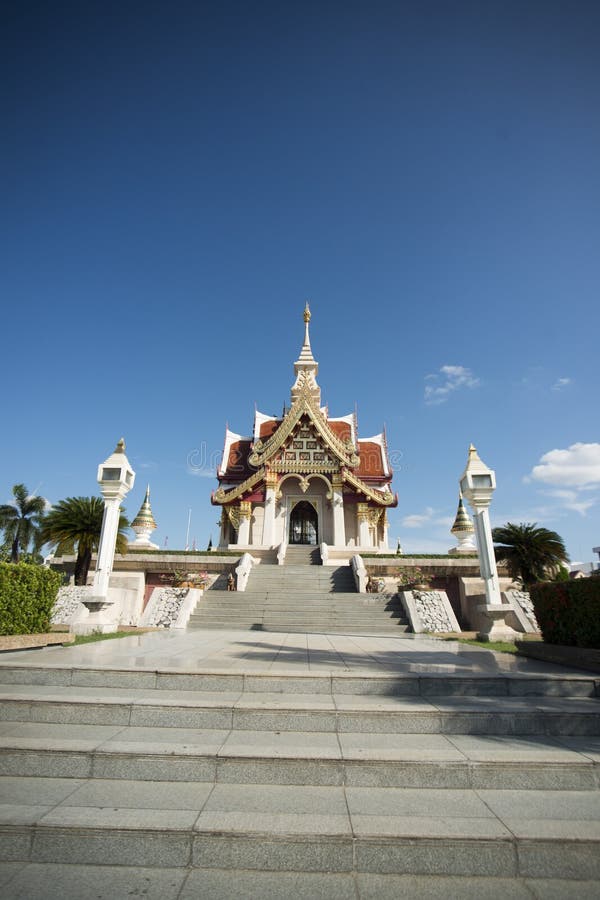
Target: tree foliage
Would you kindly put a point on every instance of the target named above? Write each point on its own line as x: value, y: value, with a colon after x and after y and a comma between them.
x: 75, y: 524
x: 20, y: 521
x: 530, y: 552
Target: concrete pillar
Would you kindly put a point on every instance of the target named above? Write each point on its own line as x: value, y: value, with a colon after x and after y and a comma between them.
x: 244, y: 528
x: 339, y: 527
x: 364, y: 533
x: 487, y: 558
x: 106, y: 550
x: 223, y: 523
x: 385, y: 525
x: 270, y: 502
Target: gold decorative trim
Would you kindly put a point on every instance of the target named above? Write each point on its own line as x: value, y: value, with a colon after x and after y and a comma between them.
x: 303, y: 405
x: 223, y: 496
x: 245, y: 509
x: 233, y: 513
x: 380, y: 497
x: 366, y: 513
x: 304, y: 483
x: 271, y: 479
x: 304, y: 468
x: 362, y: 512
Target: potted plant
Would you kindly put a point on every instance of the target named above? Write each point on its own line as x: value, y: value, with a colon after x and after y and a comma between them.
x: 412, y: 578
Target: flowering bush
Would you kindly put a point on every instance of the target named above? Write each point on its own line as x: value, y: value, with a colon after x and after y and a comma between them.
x: 411, y: 575
x: 203, y: 578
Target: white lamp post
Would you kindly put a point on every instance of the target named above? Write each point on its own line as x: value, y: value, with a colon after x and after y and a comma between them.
x: 116, y: 478
x: 477, y: 484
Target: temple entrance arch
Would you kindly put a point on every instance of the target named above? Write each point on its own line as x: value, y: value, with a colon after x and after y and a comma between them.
x: 304, y: 524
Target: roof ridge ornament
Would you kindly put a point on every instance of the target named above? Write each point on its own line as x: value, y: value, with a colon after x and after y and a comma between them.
x: 306, y: 367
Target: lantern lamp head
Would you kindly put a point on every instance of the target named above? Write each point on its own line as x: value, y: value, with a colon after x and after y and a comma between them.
x: 115, y: 475
x: 478, y: 482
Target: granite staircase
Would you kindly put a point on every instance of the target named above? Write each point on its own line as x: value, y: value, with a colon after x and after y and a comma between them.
x: 246, y: 784
x: 301, y: 596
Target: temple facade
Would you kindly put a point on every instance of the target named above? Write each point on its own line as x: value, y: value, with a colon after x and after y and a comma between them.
x: 304, y: 478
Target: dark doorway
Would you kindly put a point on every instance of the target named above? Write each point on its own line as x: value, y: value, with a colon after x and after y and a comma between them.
x: 304, y: 523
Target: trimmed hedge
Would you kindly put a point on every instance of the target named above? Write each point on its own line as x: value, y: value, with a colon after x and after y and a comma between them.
x: 568, y: 612
x: 27, y: 595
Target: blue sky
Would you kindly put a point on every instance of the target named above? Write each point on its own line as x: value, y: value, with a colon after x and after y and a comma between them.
x: 179, y: 178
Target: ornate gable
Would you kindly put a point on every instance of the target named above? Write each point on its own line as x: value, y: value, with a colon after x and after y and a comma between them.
x: 304, y: 410
x: 304, y: 451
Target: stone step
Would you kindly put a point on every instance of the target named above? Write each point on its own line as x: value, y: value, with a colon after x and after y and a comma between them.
x: 280, y: 603
x: 80, y: 882
x: 399, y: 630
x: 276, y: 624
x: 296, y: 587
x: 309, y: 829
x: 26, y: 709
x: 368, y: 760
x: 322, y: 596
x: 399, y: 684
x: 308, y: 613
x: 284, y: 619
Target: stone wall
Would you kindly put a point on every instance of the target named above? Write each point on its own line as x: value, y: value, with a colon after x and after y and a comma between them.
x: 68, y: 606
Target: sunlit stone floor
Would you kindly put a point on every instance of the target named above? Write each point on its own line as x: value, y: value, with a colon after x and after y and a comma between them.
x: 286, y: 653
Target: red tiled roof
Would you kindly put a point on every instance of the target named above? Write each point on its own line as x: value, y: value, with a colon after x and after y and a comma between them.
x: 237, y: 464
x: 270, y: 427
x: 341, y: 430
x: 371, y: 461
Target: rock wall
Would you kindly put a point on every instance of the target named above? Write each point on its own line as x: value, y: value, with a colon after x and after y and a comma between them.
x: 524, y: 601
x: 432, y: 611
x: 68, y: 607
x: 165, y: 606
x: 429, y: 611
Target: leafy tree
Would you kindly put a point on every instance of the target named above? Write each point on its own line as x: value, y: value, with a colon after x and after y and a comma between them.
x: 531, y: 553
x: 20, y: 521
x: 76, y: 523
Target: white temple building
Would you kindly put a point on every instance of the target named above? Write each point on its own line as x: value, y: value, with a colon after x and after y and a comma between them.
x: 304, y: 478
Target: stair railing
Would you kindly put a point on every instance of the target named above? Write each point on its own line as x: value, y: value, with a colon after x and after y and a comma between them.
x: 243, y: 571
x: 324, y: 550
x: 281, y: 551
x: 360, y: 573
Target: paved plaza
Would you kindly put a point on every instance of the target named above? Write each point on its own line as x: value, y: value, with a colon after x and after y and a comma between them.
x: 253, y: 764
x: 291, y: 654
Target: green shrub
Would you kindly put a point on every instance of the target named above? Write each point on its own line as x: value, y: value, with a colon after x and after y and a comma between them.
x: 568, y: 612
x: 27, y: 595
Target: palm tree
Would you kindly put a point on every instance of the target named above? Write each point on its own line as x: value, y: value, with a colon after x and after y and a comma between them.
x: 76, y: 523
x: 531, y: 553
x: 20, y: 521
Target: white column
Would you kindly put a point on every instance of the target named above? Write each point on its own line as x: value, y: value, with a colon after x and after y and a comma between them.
x: 244, y: 529
x: 223, y: 524
x: 364, y: 533
x: 487, y: 558
x: 268, y: 538
x: 339, y: 528
x: 106, y: 549
x: 385, y: 528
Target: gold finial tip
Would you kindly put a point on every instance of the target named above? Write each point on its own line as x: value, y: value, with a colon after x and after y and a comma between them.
x: 120, y: 448
x: 472, y: 450
x: 307, y: 312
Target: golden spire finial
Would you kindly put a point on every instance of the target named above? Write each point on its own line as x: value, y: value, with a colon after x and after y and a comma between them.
x: 307, y: 313
x: 120, y: 448
x: 473, y: 452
